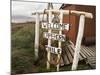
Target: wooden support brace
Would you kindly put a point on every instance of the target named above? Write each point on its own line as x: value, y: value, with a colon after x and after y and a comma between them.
x: 78, y: 42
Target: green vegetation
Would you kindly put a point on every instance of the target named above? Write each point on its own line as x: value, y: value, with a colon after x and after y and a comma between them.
x: 22, y: 50
x: 22, y: 54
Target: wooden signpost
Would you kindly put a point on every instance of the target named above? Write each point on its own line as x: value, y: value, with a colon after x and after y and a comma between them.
x: 60, y: 37
x: 54, y: 36
x: 49, y: 40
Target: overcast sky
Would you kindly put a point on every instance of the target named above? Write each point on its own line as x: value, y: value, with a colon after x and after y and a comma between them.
x: 21, y: 11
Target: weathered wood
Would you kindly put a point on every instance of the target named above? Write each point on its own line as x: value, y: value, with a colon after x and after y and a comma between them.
x: 85, y: 49
x: 70, y: 56
x: 71, y: 51
x: 65, y: 58
x: 60, y: 32
x: 71, y: 47
x: 88, y: 52
x: 49, y: 41
x: 78, y: 42
x: 85, y: 53
x: 81, y: 57
x: 91, y: 52
x: 91, y: 61
x: 55, y: 11
x: 86, y: 14
x: 36, y: 45
x: 61, y: 61
x: 93, y: 49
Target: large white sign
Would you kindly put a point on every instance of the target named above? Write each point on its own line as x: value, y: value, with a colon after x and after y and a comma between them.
x: 54, y: 36
x: 54, y: 49
x: 55, y: 26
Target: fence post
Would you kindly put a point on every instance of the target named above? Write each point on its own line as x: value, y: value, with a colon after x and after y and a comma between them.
x: 36, y: 45
x: 78, y: 42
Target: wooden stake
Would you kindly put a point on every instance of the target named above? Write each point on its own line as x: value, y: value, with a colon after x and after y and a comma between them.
x: 49, y: 40
x: 59, y: 43
x: 78, y: 42
x: 36, y: 36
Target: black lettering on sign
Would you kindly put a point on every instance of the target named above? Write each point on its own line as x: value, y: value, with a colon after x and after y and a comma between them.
x: 56, y: 26
x: 54, y: 50
x: 54, y: 36
x: 59, y: 51
x: 44, y: 25
x: 62, y: 37
x: 66, y: 26
x: 49, y: 26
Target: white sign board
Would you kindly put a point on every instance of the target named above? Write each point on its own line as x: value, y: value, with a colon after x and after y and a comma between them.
x: 54, y: 49
x: 56, y: 26
x: 54, y: 36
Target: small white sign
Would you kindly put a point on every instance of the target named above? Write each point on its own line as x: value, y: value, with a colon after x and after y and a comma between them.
x: 54, y: 49
x: 54, y: 36
x: 56, y: 26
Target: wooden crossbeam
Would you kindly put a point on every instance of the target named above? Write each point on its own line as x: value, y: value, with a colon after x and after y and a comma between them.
x: 86, y: 14
x: 66, y: 12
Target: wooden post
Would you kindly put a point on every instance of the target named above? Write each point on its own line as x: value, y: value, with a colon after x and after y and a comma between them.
x: 49, y: 40
x: 49, y: 19
x: 36, y: 45
x: 78, y: 42
x: 59, y: 43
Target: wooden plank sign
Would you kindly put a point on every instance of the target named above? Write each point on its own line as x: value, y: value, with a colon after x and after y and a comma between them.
x: 54, y: 50
x: 54, y: 36
x: 55, y: 26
